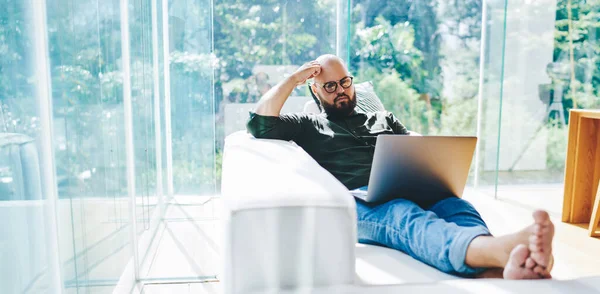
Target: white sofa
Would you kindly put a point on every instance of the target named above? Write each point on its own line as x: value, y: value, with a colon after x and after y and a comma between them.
x: 290, y: 227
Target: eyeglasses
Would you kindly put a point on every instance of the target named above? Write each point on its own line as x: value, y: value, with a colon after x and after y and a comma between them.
x: 331, y: 87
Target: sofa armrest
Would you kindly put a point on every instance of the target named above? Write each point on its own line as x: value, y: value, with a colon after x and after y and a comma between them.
x: 288, y: 222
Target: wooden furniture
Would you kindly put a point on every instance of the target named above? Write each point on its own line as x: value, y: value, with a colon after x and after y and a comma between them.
x: 582, y: 174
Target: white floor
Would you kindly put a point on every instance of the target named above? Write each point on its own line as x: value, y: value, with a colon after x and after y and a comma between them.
x: 534, y: 196
x: 184, y: 257
x: 188, y: 246
x: 182, y: 288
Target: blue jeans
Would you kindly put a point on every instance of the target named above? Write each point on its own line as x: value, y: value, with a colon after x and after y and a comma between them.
x: 438, y: 236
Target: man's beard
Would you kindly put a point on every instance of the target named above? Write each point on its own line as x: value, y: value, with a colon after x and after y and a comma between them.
x: 340, y: 109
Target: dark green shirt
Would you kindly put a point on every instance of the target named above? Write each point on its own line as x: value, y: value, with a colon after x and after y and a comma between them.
x: 343, y: 146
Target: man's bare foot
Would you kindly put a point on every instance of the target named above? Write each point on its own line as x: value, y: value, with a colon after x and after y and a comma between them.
x: 540, y: 240
x: 515, y: 269
x: 534, y: 260
x: 526, y: 254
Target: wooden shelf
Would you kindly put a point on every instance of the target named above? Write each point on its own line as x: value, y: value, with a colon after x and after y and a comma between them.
x: 582, y: 172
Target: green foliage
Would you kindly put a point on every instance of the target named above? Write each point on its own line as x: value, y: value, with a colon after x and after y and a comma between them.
x: 269, y: 32
x: 189, y: 63
x: 580, y: 78
x: 402, y: 100
x: 384, y: 46
x: 459, y: 118
x: 423, y: 18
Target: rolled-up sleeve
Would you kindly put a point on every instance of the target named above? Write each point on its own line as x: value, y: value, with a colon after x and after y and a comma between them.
x: 284, y: 127
x: 396, y: 125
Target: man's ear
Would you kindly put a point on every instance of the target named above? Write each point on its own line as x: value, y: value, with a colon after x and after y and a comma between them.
x: 311, y: 89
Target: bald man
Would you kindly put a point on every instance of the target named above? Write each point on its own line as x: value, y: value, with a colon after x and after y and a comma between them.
x: 449, y: 235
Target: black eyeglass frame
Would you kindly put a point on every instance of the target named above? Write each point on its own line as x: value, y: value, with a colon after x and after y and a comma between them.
x: 336, y: 84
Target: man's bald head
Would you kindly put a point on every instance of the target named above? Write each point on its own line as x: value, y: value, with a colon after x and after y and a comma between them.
x: 329, y: 58
x: 333, y: 68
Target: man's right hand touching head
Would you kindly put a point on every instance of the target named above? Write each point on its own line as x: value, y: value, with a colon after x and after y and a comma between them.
x: 271, y: 102
x: 306, y: 72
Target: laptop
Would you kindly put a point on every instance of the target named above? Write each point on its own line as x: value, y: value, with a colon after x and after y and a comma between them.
x: 423, y: 169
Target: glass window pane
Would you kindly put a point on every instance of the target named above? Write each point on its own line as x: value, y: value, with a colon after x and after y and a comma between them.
x: 142, y: 97
x: 85, y: 57
x: 493, y: 35
x: 28, y: 261
x: 551, y: 67
x: 192, y: 99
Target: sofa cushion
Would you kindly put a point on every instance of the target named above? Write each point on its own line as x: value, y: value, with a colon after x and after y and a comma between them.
x: 376, y: 265
x: 367, y: 99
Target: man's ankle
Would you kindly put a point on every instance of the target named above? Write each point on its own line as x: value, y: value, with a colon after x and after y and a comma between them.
x: 492, y: 273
